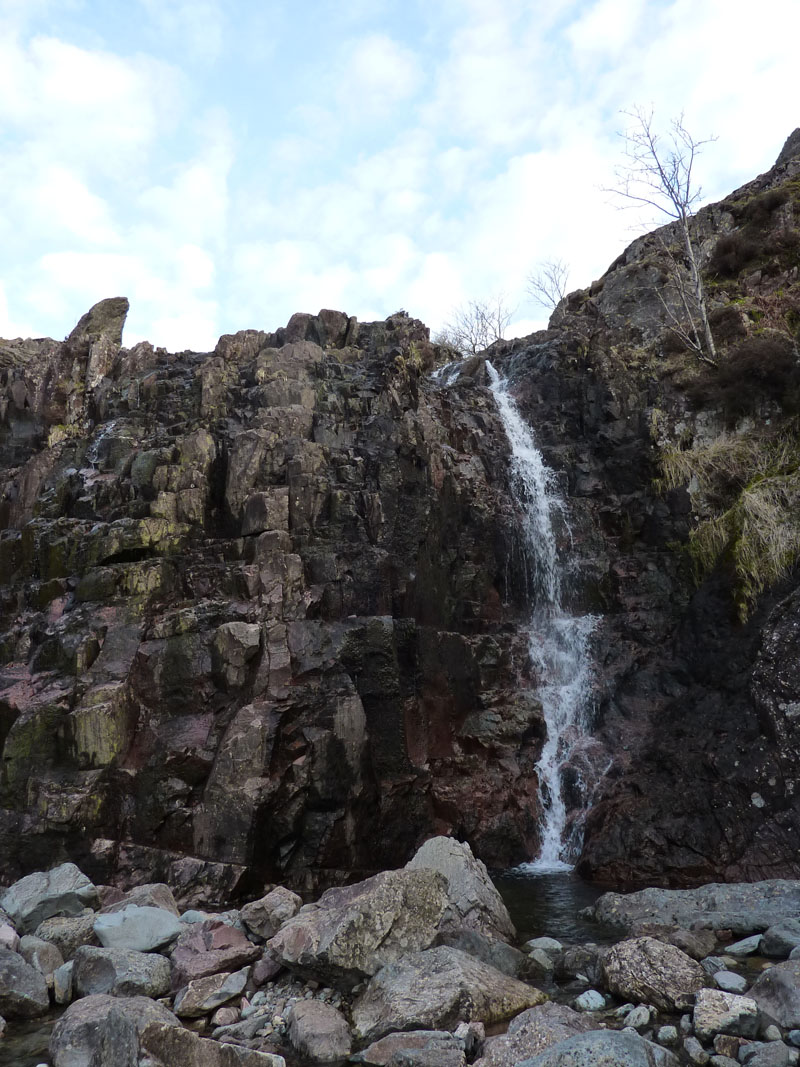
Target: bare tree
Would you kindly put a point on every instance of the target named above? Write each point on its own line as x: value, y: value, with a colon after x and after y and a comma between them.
x: 476, y: 325
x: 658, y: 172
x: 548, y: 283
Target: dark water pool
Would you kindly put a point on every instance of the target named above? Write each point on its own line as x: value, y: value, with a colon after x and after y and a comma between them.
x: 25, y: 1043
x: 546, y: 903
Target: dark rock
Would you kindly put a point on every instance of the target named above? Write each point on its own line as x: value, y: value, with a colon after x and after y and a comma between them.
x: 318, y: 1032
x: 120, y: 973
x: 64, y: 890
x: 90, y: 1029
x: 209, y: 947
x: 779, y: 940
x: 380, y: 1052
x: 777, y: 993
x: 23, y: 990
x: 603, y: 1048
x: 532, y: 1032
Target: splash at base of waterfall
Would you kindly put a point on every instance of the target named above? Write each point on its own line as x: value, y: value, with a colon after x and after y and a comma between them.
x: 558, y: 644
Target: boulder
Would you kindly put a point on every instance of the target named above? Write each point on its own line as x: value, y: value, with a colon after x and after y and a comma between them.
x: 531, y: 1032
x: 473, y: 900
x: 68, y: 934
x: 9, y: 938
x: 120, y: 973
x: 23, y: 990
x: 730, y: 982
x: 265, y: 917
x: 582, y: 959
x: 210, y: 947
x: 89, y: 1026
x: 380, y: 1052
x: 137, y: 929
x: 716, y: 1012
x: 780, y: 939
x: 149, y: 895
x: 170, y: 1046
x: 317, y: 1031
x: 650, y: 971
x: 64, y: 890
x: 353, y: 931
x: 696, y: 943
x: 603, y: 1048
x: 777, y: 993
x: 436, y: 989
x: 42, y: 955
x: 204, y: 995
x: 497, y: 954
x: 740, y: 907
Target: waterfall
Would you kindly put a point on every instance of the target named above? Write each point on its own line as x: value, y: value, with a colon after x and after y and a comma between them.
x: 558, y: 641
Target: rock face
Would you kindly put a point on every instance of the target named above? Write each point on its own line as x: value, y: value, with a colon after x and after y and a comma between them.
x: 253, y: 609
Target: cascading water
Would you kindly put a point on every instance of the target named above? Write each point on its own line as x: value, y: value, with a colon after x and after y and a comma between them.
x: 559, y: 640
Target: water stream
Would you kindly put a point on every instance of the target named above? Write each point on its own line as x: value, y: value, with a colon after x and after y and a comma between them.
x: 558, y: 643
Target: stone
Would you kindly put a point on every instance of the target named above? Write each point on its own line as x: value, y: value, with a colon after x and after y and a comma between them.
x: 265, y: 917
x: 353, y: 931
x: 603, y: 1048
x: 209, y: 947
x: 695, y: 1051
x: 64, y: 890
x: 742, y: 907
x: 667, y: 1036
x: 473, y: 900
x: 9, y: 938
x: 548, y: 945
x: 748, y: 946
x: 730, y: 982
x: 87, y: 1025
x: 649, y: 971
x: 169, y: 1046
x: 62, y: 983
x: 727, y: 1045
x: 42, y: 955
x: 498, y: 954
x: 68, y: 934
x: 120, y: 973
x: 581, y: 959
x: 137, y: 929
x: 531, y: 1032
x: 777, y: 993
x: 380, y: 1052
x: 318, y: 1032
x: 428, y: 1058
x: 204, y: 995
x: 780, y: 939
x: 765, y: 1054
x: 771, y: 1032
x: 712, y: 964
x: 149, y: 895
x: 590, y: 1000
x: 638, y: 1018
x: 716, y: 1012
x: 23, y: 990
x: 436, y: 989
x: 265, y: 969
x: 225, y: 1016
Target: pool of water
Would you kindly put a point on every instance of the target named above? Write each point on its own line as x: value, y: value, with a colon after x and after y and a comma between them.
x: 25, y: 1043
x: 546, y: 903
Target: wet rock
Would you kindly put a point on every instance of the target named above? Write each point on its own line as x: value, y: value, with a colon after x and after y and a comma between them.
x: 436, y: 989
x: 652, y: 972
x: 531, y: 1032
x: 207, y: 948
x: 204, y: 995
x: 779, y: 940
x: 137, y: 929
x: 716, y: 1012
x: 474, y: 902
x: 23, y: 990
x: 317, y: 1031
x: 740, y: 907
x: 265, y: 917
x: 351, y: 932
x: 120, y: 973
x: 64, y: 890
x: 777, y: 993
x: 603, y: 1048
x: 88, y: 1027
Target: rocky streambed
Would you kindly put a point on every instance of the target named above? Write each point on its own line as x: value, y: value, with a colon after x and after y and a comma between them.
x: 414, y: 967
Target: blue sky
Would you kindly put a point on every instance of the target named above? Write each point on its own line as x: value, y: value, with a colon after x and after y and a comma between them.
x: 224, y: 164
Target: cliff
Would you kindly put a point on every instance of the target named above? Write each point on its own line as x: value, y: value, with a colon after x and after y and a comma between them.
x: 263, y: 608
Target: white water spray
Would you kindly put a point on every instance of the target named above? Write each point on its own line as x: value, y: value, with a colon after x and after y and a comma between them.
x: 558, y: 642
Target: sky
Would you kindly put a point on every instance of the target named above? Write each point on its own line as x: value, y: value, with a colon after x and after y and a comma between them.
x: 226, y: 163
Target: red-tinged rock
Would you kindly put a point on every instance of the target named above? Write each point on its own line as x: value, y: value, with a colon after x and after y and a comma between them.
x: 210, y: 947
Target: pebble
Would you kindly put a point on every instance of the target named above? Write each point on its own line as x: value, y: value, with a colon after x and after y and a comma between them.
x: 590, y: 1000
x: 639, y: 1018
x: 793, y: 1037
x: 772, y: 1033
x: 667, y: 1035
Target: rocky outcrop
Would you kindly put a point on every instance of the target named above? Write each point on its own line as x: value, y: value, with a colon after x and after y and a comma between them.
x: 252, y: 605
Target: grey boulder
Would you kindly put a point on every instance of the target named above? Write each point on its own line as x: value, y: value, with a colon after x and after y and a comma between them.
x: 204, y: 995
x: 435, y: 990
x: 603, y: 1048
x: 64, y: 890
x: 170, y: 1046
x: 42, y: 955
x: 779, y: 940
x: 266, y: 916
x: 777, y: 993
x: 648, y: 971
x: 473, y: 900
x: 531, y: 1032
x: 716, y: 1012
x: 69, y: 933
x: 353, y: 931
x: 23, y: 990
x: 381, y: 1052
x: 138, y: 929
x: 119, y: 973
x: 317, y: 1031
x: 91, y: 1028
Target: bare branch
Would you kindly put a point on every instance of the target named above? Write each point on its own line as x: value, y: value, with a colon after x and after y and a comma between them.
x: 476, y: 325
x: 548, y: 284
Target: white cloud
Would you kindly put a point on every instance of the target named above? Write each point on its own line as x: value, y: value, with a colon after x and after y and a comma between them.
x: 197, y: 27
